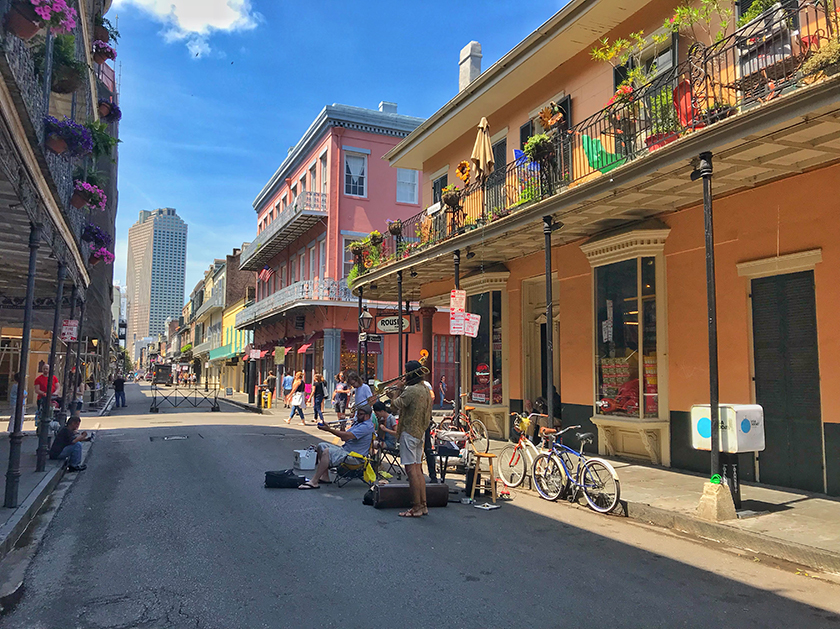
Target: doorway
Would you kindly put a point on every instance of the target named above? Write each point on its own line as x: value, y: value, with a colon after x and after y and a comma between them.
x: 787, y: 380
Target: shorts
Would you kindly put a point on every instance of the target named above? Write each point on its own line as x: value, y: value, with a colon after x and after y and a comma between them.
x: 336, y: 453
x: 411, y: 449
x: 340, y: 406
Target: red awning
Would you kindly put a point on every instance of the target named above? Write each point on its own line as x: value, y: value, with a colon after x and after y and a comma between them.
x: 302, y: 349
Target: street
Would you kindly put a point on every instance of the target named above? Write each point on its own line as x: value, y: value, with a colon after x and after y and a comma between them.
x: 181, y: 533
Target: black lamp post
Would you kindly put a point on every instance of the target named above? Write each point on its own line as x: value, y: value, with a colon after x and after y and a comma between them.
x: 365, y: 319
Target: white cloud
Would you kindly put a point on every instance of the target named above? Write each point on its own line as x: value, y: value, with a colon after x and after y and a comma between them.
x: 194, y: 21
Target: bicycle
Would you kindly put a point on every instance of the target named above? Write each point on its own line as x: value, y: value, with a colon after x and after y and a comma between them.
x: 513, y: 466
x: 474, y: 429
x: 554, y: 473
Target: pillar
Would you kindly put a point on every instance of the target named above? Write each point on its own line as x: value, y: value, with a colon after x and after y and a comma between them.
x: 427, y: 322
x: 332, y: 355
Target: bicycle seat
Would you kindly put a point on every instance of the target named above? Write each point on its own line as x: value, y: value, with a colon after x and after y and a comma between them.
x: 585, y: 437
x: 547, y: 431
x: 469, y: 408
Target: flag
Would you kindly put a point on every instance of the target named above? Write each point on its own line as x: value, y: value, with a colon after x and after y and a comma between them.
x: 265, y: 274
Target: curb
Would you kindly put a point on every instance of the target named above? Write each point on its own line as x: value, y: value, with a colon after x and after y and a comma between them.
x: 106, y: 409
x: 248, y: 407
x: 809, y: 556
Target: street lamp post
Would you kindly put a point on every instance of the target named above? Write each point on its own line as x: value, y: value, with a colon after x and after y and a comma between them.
x: 365, y: 319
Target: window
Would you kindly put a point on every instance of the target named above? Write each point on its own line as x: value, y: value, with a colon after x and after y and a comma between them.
x: 437, y: 188
x: 303, y: 183
x: 281, y: 282
x: 322, y: 258
x: 313, y: 178
x: 324, y: 177
x: 348, y: 257
x: 656, y: 62
x: 525, y: 132
x: 625, y: 294
x: 486, y: 349
x: 407, y: 185
x: 294, y: 193
x: 294, y: 271
x: 302, y: 263
x: 355, y: 169
x: 313, y: 263
x: 284, y: 201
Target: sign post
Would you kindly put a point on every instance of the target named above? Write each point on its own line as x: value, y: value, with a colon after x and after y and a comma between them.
x: 69, y: 330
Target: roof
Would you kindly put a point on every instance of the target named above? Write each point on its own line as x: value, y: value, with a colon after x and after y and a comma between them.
x: 370, y: 120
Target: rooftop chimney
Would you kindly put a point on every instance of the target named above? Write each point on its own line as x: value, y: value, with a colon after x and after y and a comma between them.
x: 469, y: 64
x: 387, y: 108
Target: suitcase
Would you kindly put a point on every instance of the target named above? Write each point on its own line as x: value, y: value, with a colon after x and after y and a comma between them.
x: 398, y: 495
x: 283, y: 479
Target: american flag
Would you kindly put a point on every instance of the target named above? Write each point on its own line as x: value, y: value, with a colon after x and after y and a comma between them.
x: 265, y: 274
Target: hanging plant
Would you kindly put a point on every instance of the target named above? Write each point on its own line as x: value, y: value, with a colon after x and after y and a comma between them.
x: 95, y: 235
x: 103, y: 30
x: 109, y: 112
x: 395, y: 227
x: 102, y: 52
x: 67, y: 136
x: 68, y: 73
x: 537, y: 147
x: 103, y: 142
x: 450, y: 195
x: 27, y: 17
x: 86, y: 194
x: 356, y: 247
x: 100, y: 254
x: 375, y: 238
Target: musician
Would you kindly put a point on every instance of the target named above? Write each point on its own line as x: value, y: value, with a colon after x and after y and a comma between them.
x: 364, y: 396
x: 415, y: 408
x: 357, y: 439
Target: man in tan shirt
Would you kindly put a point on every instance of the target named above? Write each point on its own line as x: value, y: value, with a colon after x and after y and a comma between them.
x: 415, y: 407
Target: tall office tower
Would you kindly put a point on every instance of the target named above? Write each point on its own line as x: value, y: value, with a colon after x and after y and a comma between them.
x: 157, y: 251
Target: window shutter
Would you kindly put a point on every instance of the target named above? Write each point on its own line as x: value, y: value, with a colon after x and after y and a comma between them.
x: 525, y: 132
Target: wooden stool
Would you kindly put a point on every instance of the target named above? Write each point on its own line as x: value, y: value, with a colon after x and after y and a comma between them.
x: 479, y: 456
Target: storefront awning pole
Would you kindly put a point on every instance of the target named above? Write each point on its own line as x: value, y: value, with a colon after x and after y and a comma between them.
x: 358, y: 346
x: 46, y: 412
x: 67, y: 370
x: 408, y: 314
x: 548, y: 228
x: 399, y: 325
x: 704, y: 171
x: 456, y: 258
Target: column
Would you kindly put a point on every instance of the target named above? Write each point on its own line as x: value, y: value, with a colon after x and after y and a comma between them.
x: 427, y: 321
x: 332, y: 356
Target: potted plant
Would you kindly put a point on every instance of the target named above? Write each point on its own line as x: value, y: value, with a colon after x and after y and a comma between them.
x: 85, y: 193
x: 662, y: 117
x: 356, y: 247
x: 68, y: 73
x: 26, y: 17
x: 375, y: 238
x: 108, y: 111
x: 96, y: 236
x: 538, y: 147
x: 103, y: 142
x: 102, y: 52
x: 99, y: 254
x: 825, y: 60
x: 67, y: 136
x: 451, y: 196
x: 718, y: 111
x: 103, y: 30
x: 395, y: 227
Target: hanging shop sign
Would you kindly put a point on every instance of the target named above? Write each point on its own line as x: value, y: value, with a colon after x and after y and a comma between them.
x: 69, y: 330
x: 391, y: 325
x: 471, y: 323
x: 279, y: 354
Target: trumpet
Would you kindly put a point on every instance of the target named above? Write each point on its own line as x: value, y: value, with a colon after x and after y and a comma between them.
x: 383, y: 388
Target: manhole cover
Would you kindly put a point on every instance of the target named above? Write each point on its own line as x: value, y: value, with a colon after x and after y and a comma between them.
x: 170, y: 438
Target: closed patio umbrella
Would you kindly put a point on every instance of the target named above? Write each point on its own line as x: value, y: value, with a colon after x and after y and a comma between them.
x: 482, y: 154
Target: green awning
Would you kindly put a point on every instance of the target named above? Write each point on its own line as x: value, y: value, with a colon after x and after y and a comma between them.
x: 223, y: 352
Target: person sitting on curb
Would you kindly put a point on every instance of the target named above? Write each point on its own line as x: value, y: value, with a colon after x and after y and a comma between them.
x: 67, y: 444
x: 357, y: 440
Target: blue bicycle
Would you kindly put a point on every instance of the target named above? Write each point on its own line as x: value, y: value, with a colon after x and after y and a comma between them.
x: 565, y: 471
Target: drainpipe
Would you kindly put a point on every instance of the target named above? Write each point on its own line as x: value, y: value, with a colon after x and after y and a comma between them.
x: 46, y: 413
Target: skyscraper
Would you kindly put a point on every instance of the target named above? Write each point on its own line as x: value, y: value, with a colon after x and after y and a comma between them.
x: 157, y: 250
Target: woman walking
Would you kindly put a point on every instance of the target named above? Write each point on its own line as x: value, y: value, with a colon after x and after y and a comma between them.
x: 339, y: 398
x: 296, y: 398
x: 318, y: 396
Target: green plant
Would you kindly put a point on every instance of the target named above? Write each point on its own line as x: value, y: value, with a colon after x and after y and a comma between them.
x: 93, y: 177
x: 537, y: 146
x: 113, y: 33
x: 687, y: 19
x: 65, y: 63
x: 186, y: 348
x: 628, y: 53
x: 756, y: 8
x: 662, y: 114
x: 352, y: 276
x: 828, y: 55
x: 103, y: 142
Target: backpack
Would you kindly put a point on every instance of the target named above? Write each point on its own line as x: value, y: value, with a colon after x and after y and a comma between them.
x: 283, y: 479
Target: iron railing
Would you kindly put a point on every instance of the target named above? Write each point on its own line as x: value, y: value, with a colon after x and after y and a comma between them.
x: 217, y: 300
x: 762, y: 60
x: 314, y: 290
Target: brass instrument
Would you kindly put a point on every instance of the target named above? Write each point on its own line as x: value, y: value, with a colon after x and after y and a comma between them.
x: 382, y: 389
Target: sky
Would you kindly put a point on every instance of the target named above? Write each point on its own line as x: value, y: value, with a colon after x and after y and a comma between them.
x: 214, y: 92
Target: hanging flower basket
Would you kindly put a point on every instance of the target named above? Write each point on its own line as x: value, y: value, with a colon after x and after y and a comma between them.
x: 104, y: 108
x: 66, y: 79
x: 22, y: 21
x: 96, y: 236
x: 356, y: 248
x: 102, y: 52
x: 376, y: 238
x: 77, y: 139
x: 395, y: 227
x: 451, y: 198
x: 99, y: 254
x: 101, y: 33
x: 85, y: 193
x: 56, y: 144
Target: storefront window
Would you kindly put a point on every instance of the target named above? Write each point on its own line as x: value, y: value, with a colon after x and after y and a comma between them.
x: 486, y: 349
x: 622, y: 348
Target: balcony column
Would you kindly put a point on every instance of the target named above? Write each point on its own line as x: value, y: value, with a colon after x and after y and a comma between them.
x: 359, y: 345
x: 15, y: 439
x: 456, y: 259
x: 427, y: 319
x: 78, y: 379
x: 332, y: 355
x: 67, y: 370
x: 399, y: 325
x: 548, y: 228
x: 46, y: 412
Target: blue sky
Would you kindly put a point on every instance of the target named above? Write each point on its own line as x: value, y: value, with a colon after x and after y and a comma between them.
x: 213, y: 92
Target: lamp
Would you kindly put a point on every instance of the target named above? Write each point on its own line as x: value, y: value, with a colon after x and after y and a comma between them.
x: 413, y: 273
x: 365, y: 319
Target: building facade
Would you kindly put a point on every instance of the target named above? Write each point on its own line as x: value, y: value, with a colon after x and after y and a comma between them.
x: 157, y: 250
x: 609, y: 184
x: 331, y: 190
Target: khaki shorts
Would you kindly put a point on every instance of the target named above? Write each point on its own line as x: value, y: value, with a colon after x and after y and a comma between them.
x: 411, y: 449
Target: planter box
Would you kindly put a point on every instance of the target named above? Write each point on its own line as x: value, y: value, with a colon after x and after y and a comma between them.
x: 658, y: 140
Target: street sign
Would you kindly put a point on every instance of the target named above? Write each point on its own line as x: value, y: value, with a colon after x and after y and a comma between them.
x: 390, y: 324
x: 374, y: 338
x: 255, y: 354
x: 457, y: 299
x: 363, y: 337
x: 456, y: 323
x: 471, y: 323
x: 69, y: 330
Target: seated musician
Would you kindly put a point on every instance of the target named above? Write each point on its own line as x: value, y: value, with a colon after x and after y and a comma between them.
x: 357, y: 439
x: 387, y: 425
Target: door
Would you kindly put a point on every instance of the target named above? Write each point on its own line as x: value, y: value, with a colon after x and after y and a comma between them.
x: 496, y: 199
x: 787, y: 380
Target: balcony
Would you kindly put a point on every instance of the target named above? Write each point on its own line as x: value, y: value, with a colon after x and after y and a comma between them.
x: 308, y: 291
x: 750, y: 98
x: 307, y: 209
x: 203, y: 348
x: 214, y: 304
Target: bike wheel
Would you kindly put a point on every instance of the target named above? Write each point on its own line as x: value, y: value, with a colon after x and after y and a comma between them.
x: 600, y: 485
x: 478, y: 435
x: 445, y: 424
x: 512, y: 465
x: 549, y: 477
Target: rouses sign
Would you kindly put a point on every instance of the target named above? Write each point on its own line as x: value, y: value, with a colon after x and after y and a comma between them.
x: 390, y: 324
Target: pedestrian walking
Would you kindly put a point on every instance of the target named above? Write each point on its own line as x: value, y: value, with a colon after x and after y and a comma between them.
x: 287, y: 387
x: 271, y: 383
x: 339, y: 398
x: 119, y: 391
x: 316, y: 398
x: 442, y: 392
x: 296, y: 398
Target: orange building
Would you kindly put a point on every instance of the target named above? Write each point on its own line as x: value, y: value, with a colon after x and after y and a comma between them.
x: 613, y: 134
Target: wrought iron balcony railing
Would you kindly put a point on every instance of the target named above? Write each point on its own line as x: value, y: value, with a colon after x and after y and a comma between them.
x: 307, y: 290
x: 216, y: 302
x: 305, y: 211
x: 762, y: 60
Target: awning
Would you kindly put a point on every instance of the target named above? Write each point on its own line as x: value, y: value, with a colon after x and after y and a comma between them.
x: 351, y: 341
x: 319, y: 334
x: 302, y: 349
x: 222, y: 353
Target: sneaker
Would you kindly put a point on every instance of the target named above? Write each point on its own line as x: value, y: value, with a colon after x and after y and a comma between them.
x: 76, y: 468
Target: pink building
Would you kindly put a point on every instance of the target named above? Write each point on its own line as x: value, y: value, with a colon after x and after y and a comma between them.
x: 333, y: 188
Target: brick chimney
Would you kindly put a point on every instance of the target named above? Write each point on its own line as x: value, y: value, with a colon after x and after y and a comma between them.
x: 469, y: 64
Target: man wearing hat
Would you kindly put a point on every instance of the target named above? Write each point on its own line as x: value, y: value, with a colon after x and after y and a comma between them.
x: 415, y: 407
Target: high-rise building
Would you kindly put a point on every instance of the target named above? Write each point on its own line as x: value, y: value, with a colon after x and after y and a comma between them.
x: 157, y: 251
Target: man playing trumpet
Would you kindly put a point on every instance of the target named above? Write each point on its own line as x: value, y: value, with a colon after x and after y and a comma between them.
x: 415, y: 407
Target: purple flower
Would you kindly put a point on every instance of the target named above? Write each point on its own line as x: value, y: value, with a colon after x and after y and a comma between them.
x: 78, y: 138
x: 96, y: 196
x: 102, y: 48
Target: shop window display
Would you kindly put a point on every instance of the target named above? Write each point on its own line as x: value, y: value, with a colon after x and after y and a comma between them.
x: 486, y: 349
x: 626, y: 338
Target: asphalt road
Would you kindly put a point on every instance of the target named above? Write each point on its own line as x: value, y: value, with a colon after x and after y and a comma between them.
x: 180, y: 533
